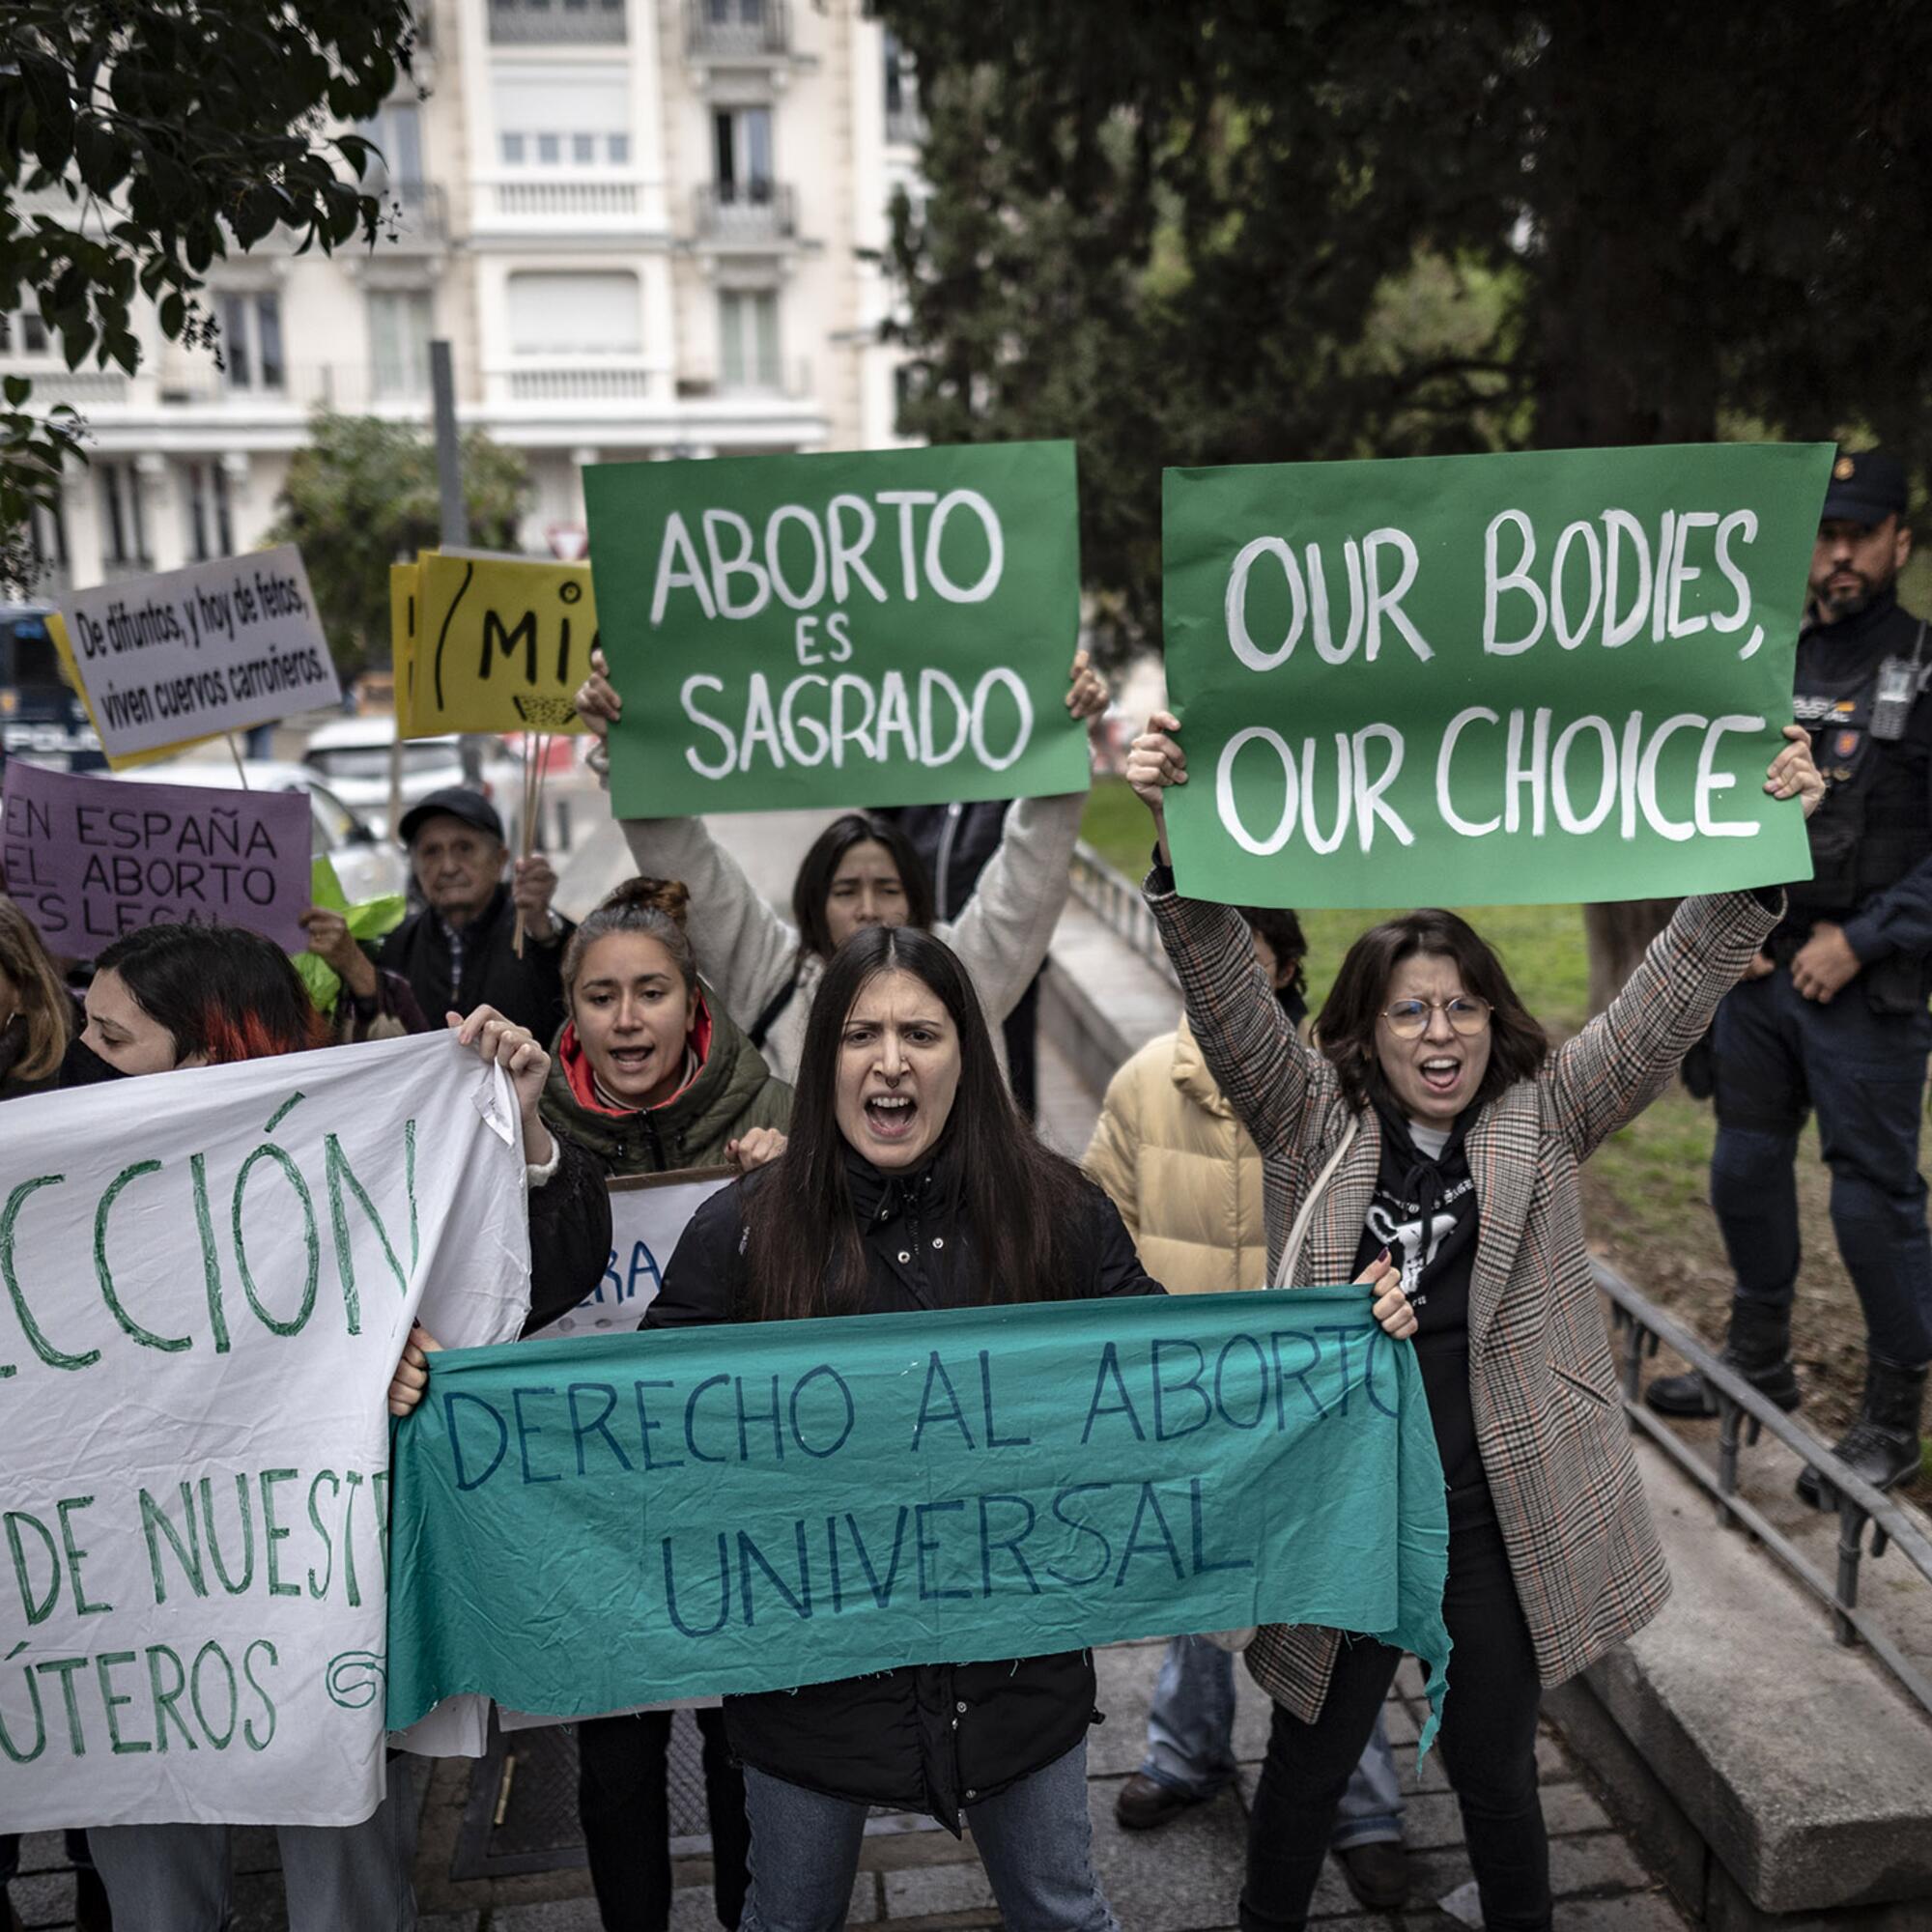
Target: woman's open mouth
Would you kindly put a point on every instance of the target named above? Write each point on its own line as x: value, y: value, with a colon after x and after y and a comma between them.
x: 1441, y: 1075
x: 891, y: 1116
x: 632, y: 1059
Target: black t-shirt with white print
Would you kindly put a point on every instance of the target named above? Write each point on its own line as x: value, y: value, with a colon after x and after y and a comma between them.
x: 1424, y: 1211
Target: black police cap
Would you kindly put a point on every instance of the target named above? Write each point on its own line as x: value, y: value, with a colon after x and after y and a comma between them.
x: 1866, y: 486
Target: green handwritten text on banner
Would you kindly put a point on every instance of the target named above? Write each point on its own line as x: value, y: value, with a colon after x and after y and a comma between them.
x: 208, y: 1276
x: 756, y: 1509
x: 895, y: 628
x: 1499, y: 679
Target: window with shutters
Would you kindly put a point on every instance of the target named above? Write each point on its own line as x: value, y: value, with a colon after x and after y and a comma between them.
x: 562, y: 117
x: 400, y: 326
x: 748, y: 339
x: 575, y: 314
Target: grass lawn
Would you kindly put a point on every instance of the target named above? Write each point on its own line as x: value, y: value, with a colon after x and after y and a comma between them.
x: 1645, y: 1191
x: 1542, y: 947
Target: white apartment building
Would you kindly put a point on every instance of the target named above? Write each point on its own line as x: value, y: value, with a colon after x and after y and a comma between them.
x: 642, y: 225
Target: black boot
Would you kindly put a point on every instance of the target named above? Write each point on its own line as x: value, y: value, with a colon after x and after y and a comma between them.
x: 1883, y: 1444
x: 1758, y: 1348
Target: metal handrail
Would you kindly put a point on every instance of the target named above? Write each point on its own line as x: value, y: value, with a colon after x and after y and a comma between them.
x: 1744, y: 1411
x: 1116, y: 901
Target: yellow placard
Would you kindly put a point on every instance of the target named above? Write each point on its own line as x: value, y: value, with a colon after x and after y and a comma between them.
x: 69, y: 673
x: 501, y: 644
x: 404, y: 581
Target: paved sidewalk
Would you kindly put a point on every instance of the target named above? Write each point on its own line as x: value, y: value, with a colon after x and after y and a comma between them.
x: 1185, y: 1878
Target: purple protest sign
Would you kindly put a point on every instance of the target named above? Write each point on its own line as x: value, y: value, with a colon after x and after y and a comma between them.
x: 88, y: 859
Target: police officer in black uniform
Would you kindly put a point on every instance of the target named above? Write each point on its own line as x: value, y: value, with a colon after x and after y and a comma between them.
x: 1833, y: 1015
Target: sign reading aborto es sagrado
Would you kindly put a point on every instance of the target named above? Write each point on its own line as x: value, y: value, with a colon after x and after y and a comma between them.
x: 891, y: 628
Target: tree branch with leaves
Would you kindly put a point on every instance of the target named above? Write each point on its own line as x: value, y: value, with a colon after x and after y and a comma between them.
x: 143, y: 141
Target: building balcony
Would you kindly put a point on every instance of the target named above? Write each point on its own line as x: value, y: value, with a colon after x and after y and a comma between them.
x: 55, y: 382
x: 566, y: 380
x: 552, y: 199
x: 757, y: 215
x: 737, y: 30
x: 172, y: 383
x: 772, y: 381
x: 557, y: 22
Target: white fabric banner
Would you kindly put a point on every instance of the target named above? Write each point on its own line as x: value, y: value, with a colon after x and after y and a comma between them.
x: 208, y: 1276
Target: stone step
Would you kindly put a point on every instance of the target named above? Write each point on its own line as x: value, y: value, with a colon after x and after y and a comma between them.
x: 1764, y: 1769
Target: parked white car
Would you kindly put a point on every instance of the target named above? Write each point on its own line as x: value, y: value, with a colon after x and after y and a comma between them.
x: 367, y: 864
x: 352, y: 757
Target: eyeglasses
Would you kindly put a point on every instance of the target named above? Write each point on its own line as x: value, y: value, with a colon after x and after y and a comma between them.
x: 1409, y: 1020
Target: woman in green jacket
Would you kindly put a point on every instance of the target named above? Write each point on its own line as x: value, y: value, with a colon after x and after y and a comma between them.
x: 651, y: 1075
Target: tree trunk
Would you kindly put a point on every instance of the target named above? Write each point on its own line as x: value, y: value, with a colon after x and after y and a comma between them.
x: 1617, y: 936
x: 1623, y: 355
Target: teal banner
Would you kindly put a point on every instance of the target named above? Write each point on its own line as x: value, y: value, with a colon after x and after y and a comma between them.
x: 586, y: 1525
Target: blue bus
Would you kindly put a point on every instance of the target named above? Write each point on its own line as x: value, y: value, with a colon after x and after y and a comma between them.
x: 41, y: 718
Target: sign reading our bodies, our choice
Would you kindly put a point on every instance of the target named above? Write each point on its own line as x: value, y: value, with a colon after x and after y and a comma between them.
x: 90, y: 859
x: 207, y: 1288
x: 191, y: 653
x: 752, y: 1509
x: 1509, y: 679
x: 889, y: 628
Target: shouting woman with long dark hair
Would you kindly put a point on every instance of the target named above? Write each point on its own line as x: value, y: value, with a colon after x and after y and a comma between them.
x: 910, y: 1184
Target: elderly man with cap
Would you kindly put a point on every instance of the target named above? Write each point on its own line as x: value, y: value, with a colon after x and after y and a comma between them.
x: 1834, y: 1018
x: 459, y: 953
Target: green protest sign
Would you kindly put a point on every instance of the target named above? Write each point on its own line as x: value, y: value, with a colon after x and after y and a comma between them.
x: 1486, y: 679
x: 756, y: 1509
x: 895, y: 628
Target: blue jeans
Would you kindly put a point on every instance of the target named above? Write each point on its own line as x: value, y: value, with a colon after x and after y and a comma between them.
x: 337, y: 1878
x: 1779, y: 1056
x: 1191, y: 1745
x: 1035, y: 1840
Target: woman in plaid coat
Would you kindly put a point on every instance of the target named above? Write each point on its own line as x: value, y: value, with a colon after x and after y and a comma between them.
x: 1429, y: 1144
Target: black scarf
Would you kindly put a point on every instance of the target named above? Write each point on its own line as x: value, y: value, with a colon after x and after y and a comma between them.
x: 1424, y: 1211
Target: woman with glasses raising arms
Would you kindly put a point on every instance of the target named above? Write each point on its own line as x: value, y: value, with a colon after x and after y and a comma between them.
x: 1432, y: 1120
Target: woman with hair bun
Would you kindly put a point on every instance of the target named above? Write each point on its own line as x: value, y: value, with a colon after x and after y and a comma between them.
x: 649, y: 1072
x: 650, y: 1075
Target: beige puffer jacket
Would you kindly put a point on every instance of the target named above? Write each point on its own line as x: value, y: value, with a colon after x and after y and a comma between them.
x: 1181, y: 1170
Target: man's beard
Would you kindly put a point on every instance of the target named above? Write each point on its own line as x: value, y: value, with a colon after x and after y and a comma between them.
x: 1847, y: 601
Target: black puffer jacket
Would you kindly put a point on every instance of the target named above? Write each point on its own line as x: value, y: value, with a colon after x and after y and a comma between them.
x: 929, y: 1738
x: 570, y: 1234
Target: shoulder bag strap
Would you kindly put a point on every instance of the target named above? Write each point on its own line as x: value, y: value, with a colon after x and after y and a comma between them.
x: 774, y: 1006
x: 1283, y: 1274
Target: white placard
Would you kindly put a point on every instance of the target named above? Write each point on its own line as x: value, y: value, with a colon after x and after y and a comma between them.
x: 208, y: 1278
x: 649, y: 1212
x: 215, y: 648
